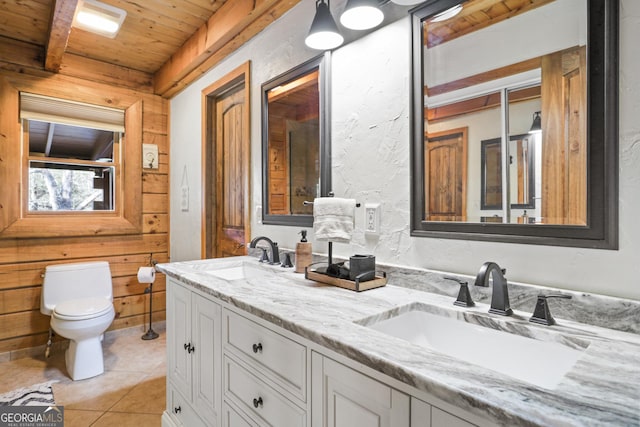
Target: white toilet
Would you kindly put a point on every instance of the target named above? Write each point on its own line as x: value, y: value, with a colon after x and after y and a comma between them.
x: 79, y: 299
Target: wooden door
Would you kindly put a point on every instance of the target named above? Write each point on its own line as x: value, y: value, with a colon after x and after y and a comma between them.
x: 230, y: 160
x: 564, y: 141
x: 226, y: 152
x: 446, y: 175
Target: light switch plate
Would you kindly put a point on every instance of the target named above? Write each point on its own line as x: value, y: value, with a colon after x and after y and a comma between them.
x: 372, y: 218
x: 150, y: 156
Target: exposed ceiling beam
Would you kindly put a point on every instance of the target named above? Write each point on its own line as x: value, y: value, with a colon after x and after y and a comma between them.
x: 232, y: 25
x: 59, y: 30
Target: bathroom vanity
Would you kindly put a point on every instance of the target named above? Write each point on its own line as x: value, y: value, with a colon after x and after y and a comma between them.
x: 252, y: 345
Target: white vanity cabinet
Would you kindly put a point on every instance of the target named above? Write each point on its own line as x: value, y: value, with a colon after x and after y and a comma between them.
x: 425, y: 415
x: 342, y: 396
x: 265, y: 373
x: 194, y: 354
x: 229, y: 368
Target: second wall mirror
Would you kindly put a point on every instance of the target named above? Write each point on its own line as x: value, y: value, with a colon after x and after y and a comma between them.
x: 295, y: 143
x: 515, y: 121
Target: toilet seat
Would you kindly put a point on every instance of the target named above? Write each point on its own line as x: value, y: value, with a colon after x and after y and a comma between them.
x: 82, y: 308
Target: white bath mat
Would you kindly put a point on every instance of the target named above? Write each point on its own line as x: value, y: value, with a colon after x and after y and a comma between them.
x: 35, y: 395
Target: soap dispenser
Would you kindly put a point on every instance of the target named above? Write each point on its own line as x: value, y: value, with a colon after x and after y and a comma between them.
x: 303, y: 253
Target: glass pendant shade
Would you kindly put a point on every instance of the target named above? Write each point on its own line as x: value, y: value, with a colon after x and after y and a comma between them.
x: 361, y: 14
x: 323, y: 34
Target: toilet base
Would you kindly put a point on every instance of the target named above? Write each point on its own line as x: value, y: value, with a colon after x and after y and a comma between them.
x: 84, y: 358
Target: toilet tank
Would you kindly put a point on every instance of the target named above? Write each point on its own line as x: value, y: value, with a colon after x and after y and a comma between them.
x: 65, y: 282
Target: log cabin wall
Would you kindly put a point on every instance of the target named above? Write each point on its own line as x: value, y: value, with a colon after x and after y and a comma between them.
x: 22, y: 261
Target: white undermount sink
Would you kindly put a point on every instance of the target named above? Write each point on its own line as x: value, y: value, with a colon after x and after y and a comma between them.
x: 241, y: 271
x: 541, y: 363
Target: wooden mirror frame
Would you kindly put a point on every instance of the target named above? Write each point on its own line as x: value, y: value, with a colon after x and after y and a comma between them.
x: 602, y: 129
x: 322, y: 63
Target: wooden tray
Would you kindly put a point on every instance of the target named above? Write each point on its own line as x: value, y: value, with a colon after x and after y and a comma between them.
x: 358, y: 286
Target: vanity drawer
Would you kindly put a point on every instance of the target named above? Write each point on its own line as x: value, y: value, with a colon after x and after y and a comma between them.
x: 182, y: 412
x: 280, y: 359
x: 258, y: 399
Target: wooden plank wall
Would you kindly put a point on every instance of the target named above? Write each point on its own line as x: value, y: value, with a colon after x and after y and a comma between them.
x: 22, y: 261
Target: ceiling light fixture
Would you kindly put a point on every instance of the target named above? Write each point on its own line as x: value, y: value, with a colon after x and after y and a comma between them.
x: 99, y: 18
x: 447, y: 14
x: 361, y: 14
x: 323, y: 34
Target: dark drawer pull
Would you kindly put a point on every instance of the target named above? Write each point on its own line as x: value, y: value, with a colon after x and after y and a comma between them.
x: 257, y: 348
x: 257, y: 402
x: 177, y: 410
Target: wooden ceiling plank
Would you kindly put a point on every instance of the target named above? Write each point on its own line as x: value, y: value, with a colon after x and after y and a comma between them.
x: 59, y: 31
x: 199, y: 55
x: 228, y: 22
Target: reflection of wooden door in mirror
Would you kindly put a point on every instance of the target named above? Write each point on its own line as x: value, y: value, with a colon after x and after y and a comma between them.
x: 293, y: 128
x: 231, y: 156
x: 446, y: 175
x: 564, y: 142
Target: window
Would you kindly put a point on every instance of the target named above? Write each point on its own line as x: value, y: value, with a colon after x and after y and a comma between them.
x: 105, y: 195
x: 72, y: 153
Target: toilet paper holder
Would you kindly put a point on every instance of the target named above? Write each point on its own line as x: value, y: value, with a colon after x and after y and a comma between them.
x: 145, y: 275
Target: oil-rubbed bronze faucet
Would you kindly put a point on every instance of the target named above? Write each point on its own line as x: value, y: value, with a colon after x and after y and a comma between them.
x: 499, y: 293
x: 275, y: 254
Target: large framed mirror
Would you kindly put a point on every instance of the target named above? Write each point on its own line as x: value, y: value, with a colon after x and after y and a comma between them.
x: 296, y: 151
x: 534, y: 86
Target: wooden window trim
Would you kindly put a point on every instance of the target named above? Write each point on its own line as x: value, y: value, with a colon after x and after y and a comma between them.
x: 14, y: 220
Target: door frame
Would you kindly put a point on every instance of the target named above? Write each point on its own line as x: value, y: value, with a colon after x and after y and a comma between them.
x: 240, y: 77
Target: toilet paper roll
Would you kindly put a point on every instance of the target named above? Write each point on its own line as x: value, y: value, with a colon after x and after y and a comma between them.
x: 146, y: 274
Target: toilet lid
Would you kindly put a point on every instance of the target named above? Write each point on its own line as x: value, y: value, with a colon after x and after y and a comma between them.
x: 83, y: 308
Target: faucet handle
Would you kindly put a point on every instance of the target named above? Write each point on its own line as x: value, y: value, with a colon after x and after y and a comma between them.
x: 265, y: 256
x: 541, y: 313
x: 464, y: 296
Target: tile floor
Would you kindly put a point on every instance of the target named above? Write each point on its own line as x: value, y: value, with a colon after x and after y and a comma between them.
x: 131, y: 392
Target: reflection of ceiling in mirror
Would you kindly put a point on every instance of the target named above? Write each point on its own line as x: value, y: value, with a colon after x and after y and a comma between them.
x: 503, y: 47
x: 475, y: 15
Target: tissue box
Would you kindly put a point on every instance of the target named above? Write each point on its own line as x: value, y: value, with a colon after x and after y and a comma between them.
x: 359, y: 264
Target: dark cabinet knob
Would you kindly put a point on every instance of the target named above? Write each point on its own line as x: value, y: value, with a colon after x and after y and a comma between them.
x: 177, y: 410
x: 190, y: 349
x: 257, y: 402
x: 257, y: 348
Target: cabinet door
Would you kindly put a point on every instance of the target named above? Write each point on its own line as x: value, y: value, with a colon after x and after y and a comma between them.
x: 206, y: 354
x: 179, y: 335
x: 342, y: 397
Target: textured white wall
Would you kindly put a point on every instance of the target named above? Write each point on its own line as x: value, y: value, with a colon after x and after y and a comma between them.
x: 370, y: 155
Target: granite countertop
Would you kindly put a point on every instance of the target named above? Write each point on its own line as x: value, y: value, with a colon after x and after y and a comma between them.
x: 602, y: 388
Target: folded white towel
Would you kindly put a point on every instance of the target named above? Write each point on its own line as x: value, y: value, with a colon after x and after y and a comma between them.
x: 333, y: 219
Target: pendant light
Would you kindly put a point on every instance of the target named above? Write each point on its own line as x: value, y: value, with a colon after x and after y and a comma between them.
x: 536, y: 126
x: 323, y: 34
x: 361, y: 14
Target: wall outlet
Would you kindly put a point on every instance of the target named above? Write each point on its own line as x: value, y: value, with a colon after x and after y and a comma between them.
x: 184, y: 198
x: 372, y: 218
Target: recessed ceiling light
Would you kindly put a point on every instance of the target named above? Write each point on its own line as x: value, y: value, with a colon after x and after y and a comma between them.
x: 99, y: 18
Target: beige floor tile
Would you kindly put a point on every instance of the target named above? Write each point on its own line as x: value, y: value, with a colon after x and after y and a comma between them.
x: 111, y: 419
x: 96, y: 394
x: 148, y: 397
x: 25, y: 372
x: 78, y: 418
x: 132, y: 353
x: 131, y: 392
